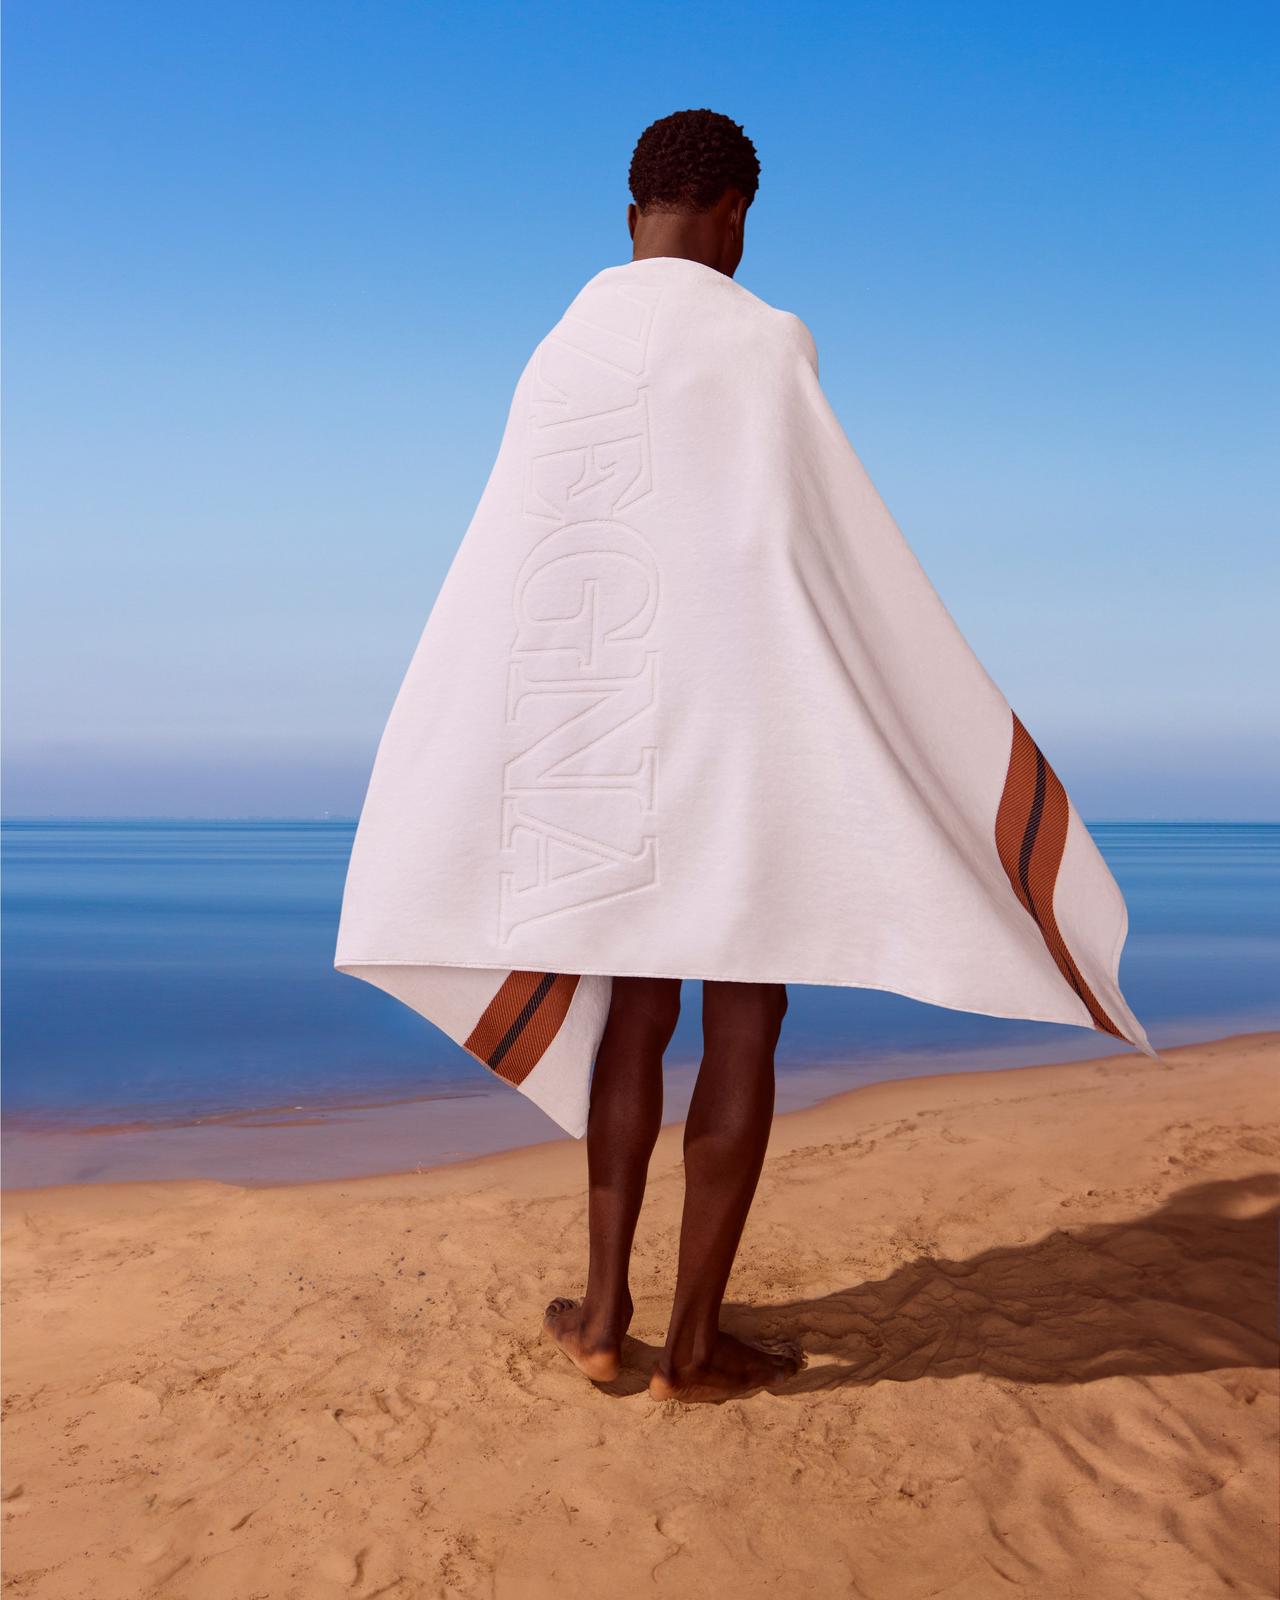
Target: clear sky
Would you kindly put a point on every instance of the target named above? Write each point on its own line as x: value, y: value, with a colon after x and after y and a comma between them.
x: 272, y: 269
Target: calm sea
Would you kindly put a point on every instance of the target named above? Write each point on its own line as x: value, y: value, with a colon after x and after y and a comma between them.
x: 159, y: 971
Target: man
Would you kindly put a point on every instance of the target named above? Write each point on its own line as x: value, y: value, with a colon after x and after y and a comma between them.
x: 687, y: 706
x: 693, y: 176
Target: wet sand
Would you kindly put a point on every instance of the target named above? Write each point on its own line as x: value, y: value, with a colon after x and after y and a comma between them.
x: 1038, y: 1306
x: 354, y: 1138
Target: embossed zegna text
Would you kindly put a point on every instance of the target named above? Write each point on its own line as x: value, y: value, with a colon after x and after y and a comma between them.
x: 579, y: 796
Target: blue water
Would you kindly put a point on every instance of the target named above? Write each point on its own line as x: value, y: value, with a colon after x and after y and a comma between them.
x: 169, y: 969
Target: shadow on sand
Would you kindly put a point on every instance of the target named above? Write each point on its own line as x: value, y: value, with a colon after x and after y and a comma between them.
x: 1189, y: 1288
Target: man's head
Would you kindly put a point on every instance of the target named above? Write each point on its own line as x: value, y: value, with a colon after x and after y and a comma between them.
x: 693, y: 175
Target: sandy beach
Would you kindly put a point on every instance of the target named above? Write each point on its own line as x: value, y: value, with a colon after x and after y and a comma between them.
x: 1038, y: 1308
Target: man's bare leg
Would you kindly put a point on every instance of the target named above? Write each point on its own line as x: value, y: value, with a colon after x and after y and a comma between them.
x: 724, y: 1144
x: 622, y: 1126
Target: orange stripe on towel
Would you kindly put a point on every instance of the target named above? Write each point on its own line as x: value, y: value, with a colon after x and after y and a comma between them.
x: 1031, y: 834
x: 519, y: 1023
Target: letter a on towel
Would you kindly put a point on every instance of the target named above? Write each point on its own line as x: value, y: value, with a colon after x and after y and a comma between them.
x: 688, y: 706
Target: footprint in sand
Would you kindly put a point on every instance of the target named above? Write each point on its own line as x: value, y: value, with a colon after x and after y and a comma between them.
x: 394, y: 1429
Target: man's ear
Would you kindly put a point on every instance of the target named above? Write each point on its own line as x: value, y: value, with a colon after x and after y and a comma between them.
x: 633, y: 213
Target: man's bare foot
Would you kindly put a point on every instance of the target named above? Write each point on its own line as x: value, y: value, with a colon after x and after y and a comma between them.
x: 599, y: 1357
x: 735, y: 1368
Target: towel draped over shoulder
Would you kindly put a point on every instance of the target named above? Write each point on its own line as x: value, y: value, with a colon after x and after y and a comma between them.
x: 688, y: 706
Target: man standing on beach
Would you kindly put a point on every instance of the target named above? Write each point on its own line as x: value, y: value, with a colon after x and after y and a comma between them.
x: 693, y: 176
x: 687, y: 706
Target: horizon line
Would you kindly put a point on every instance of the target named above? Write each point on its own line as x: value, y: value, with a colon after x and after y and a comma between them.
x: 351, y: 817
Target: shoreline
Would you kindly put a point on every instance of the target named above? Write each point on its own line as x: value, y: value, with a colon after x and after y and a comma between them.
x: 1037, y: 1304
x: 800, y: 1090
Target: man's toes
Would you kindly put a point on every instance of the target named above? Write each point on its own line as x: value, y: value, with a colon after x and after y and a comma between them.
x: 559, y: 1304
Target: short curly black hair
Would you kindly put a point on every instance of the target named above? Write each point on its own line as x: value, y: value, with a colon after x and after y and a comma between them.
x: 686, y: 161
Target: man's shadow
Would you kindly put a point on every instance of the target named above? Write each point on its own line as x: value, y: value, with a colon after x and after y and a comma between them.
x: 1189, y: 1288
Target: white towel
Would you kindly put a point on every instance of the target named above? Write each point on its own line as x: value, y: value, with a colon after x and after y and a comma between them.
x: 687, y: 706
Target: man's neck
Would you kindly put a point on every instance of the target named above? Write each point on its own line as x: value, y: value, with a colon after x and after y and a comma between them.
x: 694, y: 236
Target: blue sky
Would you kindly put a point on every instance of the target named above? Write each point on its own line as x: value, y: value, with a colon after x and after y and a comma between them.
x: 271, y: 270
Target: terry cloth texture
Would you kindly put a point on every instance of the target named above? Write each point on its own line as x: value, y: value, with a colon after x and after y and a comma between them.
x: 688, y: 706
